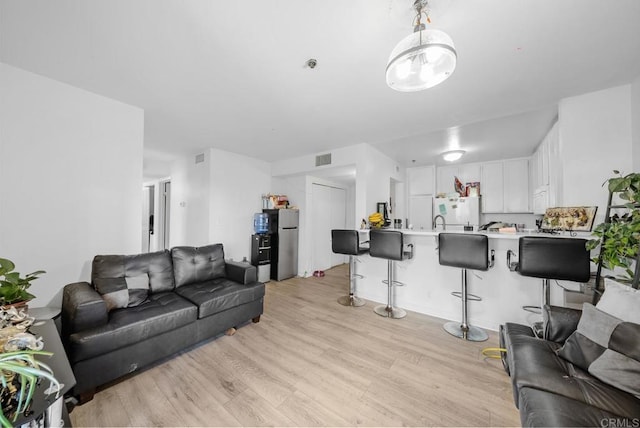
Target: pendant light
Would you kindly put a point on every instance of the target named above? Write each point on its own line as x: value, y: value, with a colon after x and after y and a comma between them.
x: 423, y: 59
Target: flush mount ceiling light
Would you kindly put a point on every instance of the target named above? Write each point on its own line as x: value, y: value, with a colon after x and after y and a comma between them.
x: 422, y: 59
x: 452, y: 155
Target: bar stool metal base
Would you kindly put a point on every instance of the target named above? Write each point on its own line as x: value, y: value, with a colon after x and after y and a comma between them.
x: 351, y: 301
x: 390, y: 312
x: 472, y: 334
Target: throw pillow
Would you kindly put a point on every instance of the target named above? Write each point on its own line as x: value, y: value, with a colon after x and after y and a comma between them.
x: 138, y: 289
x: 114, y: 292
x: 621, y: 301
x: 139, y: 281
x: 137, y: 296
x: 607, y: 348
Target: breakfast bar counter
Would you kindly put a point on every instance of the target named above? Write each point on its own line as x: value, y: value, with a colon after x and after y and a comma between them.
x: 428, y: 285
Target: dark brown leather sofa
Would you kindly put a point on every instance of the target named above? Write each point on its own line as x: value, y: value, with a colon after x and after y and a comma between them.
x: 549, y: 391
x: 193, y: 295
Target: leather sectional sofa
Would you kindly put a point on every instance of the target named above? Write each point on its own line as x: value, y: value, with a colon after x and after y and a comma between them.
x: 193, y: 294
x: 551, y: 391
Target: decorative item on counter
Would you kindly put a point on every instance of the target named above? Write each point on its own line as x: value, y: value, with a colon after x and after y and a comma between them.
x: 363, y: 224
x: 270, y: 201
x: 376, y: 220
x: 473, y: 188
x: 569, y: 218
x: 458, y: 186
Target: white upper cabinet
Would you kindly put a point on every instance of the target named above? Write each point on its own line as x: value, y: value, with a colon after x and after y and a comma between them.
x: 504, y: 186
x: 492, y: 187
x: 421, y: 180
x: 446, y: 179
x: 466, y: 173
x: 545, y: 176
x: 516, y: 186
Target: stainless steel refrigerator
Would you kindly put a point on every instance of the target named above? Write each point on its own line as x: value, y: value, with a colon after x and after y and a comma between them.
x: 283, y: 227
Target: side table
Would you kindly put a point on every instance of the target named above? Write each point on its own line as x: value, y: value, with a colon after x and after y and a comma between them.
x: 61, y: 370
x: 46, y: 313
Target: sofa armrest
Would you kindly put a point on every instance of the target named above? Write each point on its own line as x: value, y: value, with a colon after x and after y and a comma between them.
x: 559, y: 322
x: 244, y: 273
x: 82, y: 308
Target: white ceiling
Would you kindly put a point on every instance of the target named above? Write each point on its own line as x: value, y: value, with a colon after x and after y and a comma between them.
x: 231, y: 74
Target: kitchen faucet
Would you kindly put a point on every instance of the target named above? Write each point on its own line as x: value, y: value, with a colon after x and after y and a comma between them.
x: 435, y: 222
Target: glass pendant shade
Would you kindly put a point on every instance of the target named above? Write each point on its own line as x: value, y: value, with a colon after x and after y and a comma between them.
x: 421, y: 60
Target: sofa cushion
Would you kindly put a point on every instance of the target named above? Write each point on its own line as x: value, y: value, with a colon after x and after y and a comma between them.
x: 197, y: 264
x: 536, y: 365
x: 544, y: 409
x: 157, y: 266
x: 220, y: 294
x: 163, y: 312
x: 607, y: 347
x: 114, y: 292
x: 621, y: 301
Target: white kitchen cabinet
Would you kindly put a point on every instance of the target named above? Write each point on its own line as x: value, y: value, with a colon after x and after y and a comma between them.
x: 492, y: 187
x: 516, y: 186
x: 466, y: 173
x: 469, y: 173
x: 446, y: 179
x: 420, y: 211
x: 504, y: 186
x: 421, y: 180
x: 545, y: 173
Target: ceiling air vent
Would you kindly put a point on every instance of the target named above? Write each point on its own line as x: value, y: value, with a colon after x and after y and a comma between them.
x: 200, y: 158
x: 323, y: 159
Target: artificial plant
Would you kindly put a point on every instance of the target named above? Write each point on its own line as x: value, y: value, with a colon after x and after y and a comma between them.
x: 619, y: 239
x: 13, y: 287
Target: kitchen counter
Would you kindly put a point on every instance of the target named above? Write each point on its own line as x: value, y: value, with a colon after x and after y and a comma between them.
x: 429, y: 285
x: 491, y: 235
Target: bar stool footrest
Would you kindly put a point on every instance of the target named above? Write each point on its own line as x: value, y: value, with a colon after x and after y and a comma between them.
x: 533, y: 309
x: 471, y: 297
x: 471, y: 333
x: 396, y: 283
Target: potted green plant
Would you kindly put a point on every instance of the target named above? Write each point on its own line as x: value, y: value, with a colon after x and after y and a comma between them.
x: 619, y: 239
x: 20, y: 373
x: 13, y: 287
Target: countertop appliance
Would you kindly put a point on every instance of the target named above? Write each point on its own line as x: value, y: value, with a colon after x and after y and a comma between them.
x: 283, y: 228
x: 460, y: 211
x: 261, y: 255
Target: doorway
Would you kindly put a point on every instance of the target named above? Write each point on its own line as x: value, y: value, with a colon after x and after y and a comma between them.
x: 148, y: 207
x: 164, y: 221
x: 328, y: 211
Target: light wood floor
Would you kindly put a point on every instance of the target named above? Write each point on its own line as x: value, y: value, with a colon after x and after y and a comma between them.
x: 313, y: 362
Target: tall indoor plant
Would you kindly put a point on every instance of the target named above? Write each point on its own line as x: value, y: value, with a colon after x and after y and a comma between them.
x: 13, y: 287
x: 620, y: 238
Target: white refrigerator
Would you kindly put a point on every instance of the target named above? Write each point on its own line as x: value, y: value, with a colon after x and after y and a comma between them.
x: 461, y: 211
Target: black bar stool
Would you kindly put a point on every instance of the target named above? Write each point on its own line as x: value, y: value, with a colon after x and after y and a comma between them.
x: 389, y: 244
x: 551, y: 258
x: 348, y: 242
x: 466, y: 251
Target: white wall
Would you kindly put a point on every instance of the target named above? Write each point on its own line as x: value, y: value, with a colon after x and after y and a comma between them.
x: 595, y: 139
x: 71, y: 174
x: 378, y: 169
x: 237, y: 185
x: 635, y: 124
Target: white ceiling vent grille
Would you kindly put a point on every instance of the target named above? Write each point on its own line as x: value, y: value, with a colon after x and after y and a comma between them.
x: 323, y: 159
x: 200, y: 158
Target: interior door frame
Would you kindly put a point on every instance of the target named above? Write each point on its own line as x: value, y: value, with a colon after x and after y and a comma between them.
x: 164, y: 214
